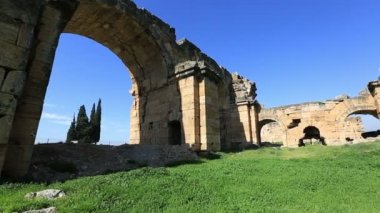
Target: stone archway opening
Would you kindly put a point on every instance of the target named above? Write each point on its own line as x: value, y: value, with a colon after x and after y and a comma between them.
x: 312, y: 135
x: 361, y: 124
x: 271, y: 133
x: 81, y: 74
x: 175, y: 133
x: 141, y: 41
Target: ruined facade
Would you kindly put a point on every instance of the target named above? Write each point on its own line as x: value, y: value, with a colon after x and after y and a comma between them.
x: 181, y: 96
x: 330, y: 119
x: 273, y: 133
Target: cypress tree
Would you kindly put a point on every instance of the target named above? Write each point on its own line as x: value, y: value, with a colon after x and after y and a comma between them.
x: 97, y: 123
x: 93, y: 124
x: 83, y: 127
x: 71, y: 133
x: 93, y: 114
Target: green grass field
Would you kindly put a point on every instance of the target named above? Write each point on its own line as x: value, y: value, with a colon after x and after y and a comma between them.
x: 310, y: 179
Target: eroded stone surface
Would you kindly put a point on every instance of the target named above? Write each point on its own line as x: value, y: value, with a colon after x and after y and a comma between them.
x: 14, y: 83
x: 7, y: 104
x: 49, y: 194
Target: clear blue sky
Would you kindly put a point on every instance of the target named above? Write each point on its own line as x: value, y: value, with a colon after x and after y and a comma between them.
x: 295, y: 50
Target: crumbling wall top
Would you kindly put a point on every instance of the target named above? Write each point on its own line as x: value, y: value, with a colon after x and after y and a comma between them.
x: 243, y: 89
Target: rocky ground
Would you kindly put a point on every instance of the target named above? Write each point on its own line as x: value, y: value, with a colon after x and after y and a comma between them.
x: 59, y: 162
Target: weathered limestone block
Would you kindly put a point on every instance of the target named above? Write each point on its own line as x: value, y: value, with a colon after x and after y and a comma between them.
x: 14, y: 58
x: 5, y: 128
x: 9, y: 32
x: 25, y: 35
x: 25, y: 11
x: 49, y: 194
x: 7, y: 109
x: 243, y: 90
x: 14, y: 83
x: 45, y: 52
x: 7, y: 104
x: 18, y: 158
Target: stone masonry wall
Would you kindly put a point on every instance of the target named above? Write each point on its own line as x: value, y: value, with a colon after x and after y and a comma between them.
x: 17, y: 23
x: 273, y: 133
x: 173, y: 82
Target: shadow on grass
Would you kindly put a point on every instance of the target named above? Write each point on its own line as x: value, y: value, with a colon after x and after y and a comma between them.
x: 62, y: 172
x: 180, y: 163
x: 268, y: 144
x: 209, y: 155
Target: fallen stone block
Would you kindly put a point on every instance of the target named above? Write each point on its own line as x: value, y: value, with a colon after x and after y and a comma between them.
x: 49, y: 194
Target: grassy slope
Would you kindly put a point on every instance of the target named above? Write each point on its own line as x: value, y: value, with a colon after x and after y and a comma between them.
x: 316, y: 179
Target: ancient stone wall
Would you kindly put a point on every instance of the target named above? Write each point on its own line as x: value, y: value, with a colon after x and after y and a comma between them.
x: 173, y: 82
x: 273, y: 133
x: 241, y: 125
x: 331, y: 118
x: 181, y: 95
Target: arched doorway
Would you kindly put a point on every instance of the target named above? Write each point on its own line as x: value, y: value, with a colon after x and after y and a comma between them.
x: 312, y: 135
x: 81, y: 71
x: 361, y: 124
x: 142, y: 42
x: 271, y: 133
x: 175, y: 133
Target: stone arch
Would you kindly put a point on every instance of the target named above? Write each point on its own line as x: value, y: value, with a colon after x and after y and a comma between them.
x: 363, y: 110
x: 310, y: 133
x: 266, y: 121
x: 143, y: 42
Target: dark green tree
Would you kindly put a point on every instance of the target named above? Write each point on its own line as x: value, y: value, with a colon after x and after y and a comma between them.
x: 83, y: 127
x: 97, y: 121
x: 72, y: 133
x: 93, y: 123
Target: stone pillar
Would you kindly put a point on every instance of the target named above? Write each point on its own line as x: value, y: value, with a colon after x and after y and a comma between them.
x: 134, y: 132
x: 189, y: 91
x: 17, y: 22
x: 198, y: 86
x: 209, y: 115
x: 30, y: 104
x: 254, y: 117
x: 186, y: 74
x: 243, y: 124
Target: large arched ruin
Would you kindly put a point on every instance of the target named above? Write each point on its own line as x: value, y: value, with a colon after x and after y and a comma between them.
x: 181, y: 96
x: 199, y: 93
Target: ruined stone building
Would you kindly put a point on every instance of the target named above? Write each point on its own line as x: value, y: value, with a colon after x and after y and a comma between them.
x: 181, y: 95
x: 273, y: 133
x: 329, y: 121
